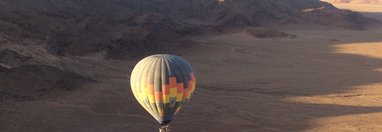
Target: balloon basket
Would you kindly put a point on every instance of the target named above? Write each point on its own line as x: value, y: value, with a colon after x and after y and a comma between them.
x: 164, y: 128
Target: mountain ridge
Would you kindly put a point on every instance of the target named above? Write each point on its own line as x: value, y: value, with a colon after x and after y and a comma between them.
x: 130, y: 28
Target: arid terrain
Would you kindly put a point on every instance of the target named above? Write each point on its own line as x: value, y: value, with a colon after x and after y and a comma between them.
x: 324, y: 80
x: 368, y: 2
x: 301, y: 78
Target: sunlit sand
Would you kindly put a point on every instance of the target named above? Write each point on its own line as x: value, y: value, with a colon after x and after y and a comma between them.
x: 309, y: 83
x: 360, y: 7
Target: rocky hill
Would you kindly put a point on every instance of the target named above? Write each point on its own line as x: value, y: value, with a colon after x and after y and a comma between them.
x: 33, y: 82
x: 233, y: 13
x: 125, y: 28
x: 3, y: 69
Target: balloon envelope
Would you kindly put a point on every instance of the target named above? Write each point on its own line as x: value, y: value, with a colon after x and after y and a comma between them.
x: 162, y: 84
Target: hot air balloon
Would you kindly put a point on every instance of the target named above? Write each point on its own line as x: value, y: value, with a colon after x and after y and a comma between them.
x: 162, y: 84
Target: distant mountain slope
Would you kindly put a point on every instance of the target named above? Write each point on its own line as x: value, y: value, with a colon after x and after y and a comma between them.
x: 355, y: 1
x: 231, y: 13
x: 125, y: 28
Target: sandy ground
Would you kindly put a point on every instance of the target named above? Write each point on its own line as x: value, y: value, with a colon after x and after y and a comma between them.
x: 360, y: 7
x: 323, y: 80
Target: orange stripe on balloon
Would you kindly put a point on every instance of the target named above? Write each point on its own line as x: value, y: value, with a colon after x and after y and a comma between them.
x: 185, y: 93
x: 180, y: 87
x: 172, y: 82
x: 151, y: 89
x: 166, y: 89
x: 158, y: 97
x: 190, y: 84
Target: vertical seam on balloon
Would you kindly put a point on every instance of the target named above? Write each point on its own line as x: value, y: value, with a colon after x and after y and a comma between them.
x: 152, y: 66
x: 140, y: 86
x: 168, y: 64
x: 158, y: 101
x: 158, y: 62
x: 145, y: 83
x: 137, y: 69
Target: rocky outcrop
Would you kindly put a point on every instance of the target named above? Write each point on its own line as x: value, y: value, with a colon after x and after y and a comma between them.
x: 137, y: 36
x: 337, y: 18
x: 3, y: 69
x: 31, y: 82
x: 12, y: 58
